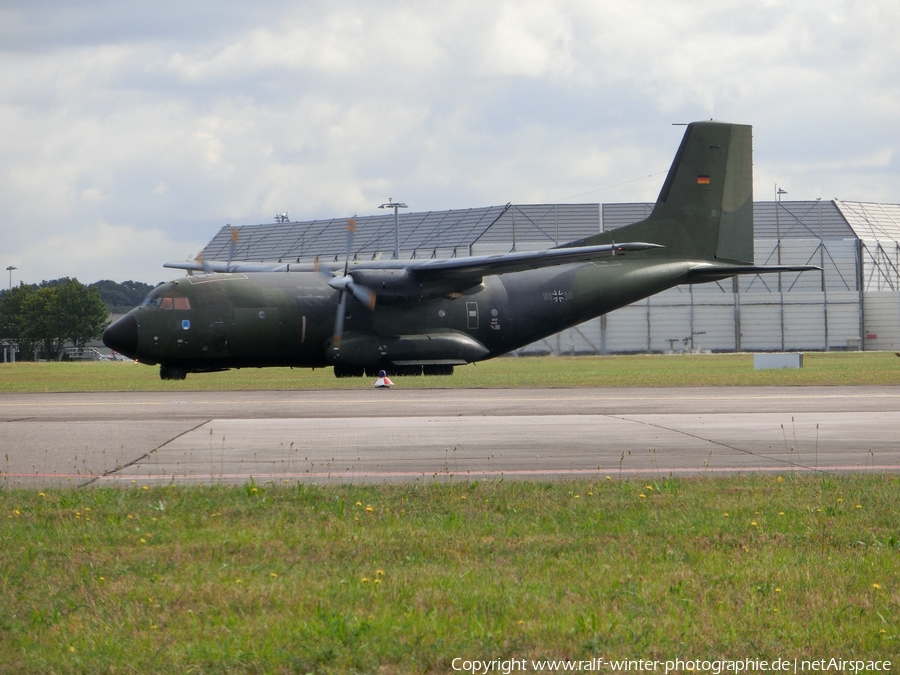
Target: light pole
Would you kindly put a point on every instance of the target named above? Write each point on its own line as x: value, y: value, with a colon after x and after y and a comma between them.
x: 391, y: 204
x: 10, y: 270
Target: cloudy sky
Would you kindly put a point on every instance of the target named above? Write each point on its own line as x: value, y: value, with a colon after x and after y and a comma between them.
x: 130, y: 132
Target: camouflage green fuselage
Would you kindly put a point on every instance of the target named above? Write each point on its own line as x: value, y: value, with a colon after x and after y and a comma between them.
x: 221, y: 321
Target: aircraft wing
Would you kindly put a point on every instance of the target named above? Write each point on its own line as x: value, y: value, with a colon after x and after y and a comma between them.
x: 444, y: 268
x: 214, y: 266
x: 485, y: 265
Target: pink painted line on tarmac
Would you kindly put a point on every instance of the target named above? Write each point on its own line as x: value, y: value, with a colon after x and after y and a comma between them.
x: 117, y: 478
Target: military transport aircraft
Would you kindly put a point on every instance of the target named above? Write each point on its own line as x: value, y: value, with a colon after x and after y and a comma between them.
x: 427, y: 316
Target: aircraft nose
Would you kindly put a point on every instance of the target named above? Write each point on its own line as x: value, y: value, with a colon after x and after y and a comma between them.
x: 122, y: 336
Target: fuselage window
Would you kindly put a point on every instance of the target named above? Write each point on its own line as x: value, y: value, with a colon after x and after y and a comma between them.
x: 182, y: 303
x: 166, y: 303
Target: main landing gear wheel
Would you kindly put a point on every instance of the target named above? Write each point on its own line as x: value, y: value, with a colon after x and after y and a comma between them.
x: 172, y: 373
x: 341, y: 370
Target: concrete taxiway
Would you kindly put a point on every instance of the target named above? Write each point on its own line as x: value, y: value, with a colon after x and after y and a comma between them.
x: 442, y: 434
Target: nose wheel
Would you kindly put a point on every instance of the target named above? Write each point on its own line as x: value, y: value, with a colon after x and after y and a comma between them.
x: 172, y: 373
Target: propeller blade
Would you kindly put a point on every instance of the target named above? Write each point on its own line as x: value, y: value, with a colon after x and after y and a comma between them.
x: 206, y: 267
x: 351, y: 228
x: 339, y: 320
x: 346, y: 287
x: 235, y: 235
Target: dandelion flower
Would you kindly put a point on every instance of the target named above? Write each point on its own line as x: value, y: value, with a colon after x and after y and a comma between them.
x: 462, y: 497
x: 876, y: 586
x: 359, y: 503
x: 859, y: 506
x: 364, y: 580
x: 238, y: 581
x: 379, y: 572
x: 273, y: 575
x: 649, y: 487
x: 753, y: 523
x: 781, y: 513
x: 377, y: 581
x: 577, y: 496
x: 778, y: 590
x: 725, y: 515
x: 779, y: 479
x: 369, y: 509
x: 642, y: 496
x: 143, y: 541
x: 41, y: 494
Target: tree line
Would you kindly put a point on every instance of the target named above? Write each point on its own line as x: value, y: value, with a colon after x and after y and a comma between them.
x: 43, y: 318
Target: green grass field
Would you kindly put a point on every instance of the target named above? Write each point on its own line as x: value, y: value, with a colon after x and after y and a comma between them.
x: 405, y: 578
x: 836, y: 368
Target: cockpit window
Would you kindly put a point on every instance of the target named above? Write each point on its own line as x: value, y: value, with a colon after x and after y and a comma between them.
x: 167, y: 302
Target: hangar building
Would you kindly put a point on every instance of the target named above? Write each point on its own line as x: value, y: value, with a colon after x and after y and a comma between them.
x: 854, y: 303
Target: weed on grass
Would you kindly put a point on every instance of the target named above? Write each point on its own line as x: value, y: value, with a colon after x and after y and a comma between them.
x: 405, y: 578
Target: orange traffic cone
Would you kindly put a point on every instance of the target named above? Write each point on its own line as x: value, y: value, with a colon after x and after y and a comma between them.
x: 383, y: 381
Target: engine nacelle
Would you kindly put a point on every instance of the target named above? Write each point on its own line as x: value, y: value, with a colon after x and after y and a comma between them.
x: 393, y: 287
x: 430, y: 348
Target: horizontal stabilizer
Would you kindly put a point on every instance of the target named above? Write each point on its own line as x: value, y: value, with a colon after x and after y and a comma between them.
x: 712, y: 272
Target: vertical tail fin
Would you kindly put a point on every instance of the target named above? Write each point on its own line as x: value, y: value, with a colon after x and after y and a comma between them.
x: 705, y: 208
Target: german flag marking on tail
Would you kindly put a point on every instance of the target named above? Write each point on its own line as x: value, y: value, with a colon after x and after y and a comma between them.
x: 702, y: 180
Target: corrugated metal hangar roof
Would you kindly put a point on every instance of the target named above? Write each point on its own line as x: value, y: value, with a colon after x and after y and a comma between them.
x: 460, y: 231
x: 872, y: 221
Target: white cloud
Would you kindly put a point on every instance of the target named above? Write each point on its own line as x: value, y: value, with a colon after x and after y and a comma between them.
x: 102, y: 251
x: 165, y: 123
